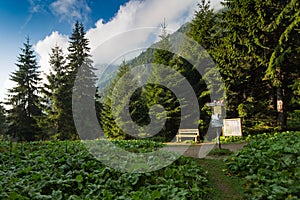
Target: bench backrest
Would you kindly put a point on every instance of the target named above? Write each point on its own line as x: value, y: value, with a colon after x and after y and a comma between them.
x: 188, y: 131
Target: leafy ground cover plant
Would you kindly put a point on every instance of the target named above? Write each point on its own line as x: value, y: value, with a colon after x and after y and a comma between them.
x: 239, y: 139
x: 66, y: 170
x: 139, y: 146
x: 271, y: 166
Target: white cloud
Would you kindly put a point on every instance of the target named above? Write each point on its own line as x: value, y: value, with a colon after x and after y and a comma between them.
x: 69, y: 9
x: 43, y: 49
x: 147, y: 16
x: 135, y: 26
x: 216, y: 4
x: 7, y: 84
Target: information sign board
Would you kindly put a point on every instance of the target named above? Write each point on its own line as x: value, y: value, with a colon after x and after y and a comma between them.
x: 232, y: 127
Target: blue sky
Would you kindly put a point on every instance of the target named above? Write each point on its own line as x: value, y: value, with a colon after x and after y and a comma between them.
x: 37, y: 19
x: 49, y: 22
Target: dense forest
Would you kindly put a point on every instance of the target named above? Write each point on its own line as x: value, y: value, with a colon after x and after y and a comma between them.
x: 254, y: 44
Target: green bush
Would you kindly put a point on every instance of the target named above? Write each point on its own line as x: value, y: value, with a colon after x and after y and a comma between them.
x: 270, y: 165
x: 293, y: 120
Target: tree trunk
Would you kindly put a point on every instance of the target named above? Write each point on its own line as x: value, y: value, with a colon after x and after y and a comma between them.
x: 281, y: 116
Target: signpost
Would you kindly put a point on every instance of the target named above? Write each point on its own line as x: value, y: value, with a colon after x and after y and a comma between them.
x: 217, y: 117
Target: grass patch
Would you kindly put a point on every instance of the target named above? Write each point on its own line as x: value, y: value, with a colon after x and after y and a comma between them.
x: 223, y: 186
x: 220, y: 152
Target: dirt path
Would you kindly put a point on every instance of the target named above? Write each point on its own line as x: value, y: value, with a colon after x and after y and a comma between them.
x: 223, y: 187
x: 201, y: 150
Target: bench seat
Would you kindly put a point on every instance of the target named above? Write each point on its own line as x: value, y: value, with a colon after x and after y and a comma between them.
x: 191, y: 133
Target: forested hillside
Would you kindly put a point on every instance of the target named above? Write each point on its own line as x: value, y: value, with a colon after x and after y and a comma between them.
x: 255, y: 47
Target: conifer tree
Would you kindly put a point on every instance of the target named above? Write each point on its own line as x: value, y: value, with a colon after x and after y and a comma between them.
x: 118, y: 94
x: 143, y: 98
x: 257, y: 52
x: 157, y: 94
x: 23, y: 98
x: 52, y: 100
x: 78, y: 59
x: 203, y: 31
x: 202, y: 27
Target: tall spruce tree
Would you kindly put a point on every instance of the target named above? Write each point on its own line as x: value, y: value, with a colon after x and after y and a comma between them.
x: 258, y: 52
x: 118, y: 94
x: 157, y: 94
x: 143, y: 98
x: 52, y: 100
x: 78, y: 59
x: 238, y: 62
x: 203, y: 31
x: 203, y: 26
x: 282, y: 31
x: 23, y: 98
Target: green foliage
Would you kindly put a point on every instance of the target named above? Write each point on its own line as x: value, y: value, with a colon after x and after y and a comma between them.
x: 23, y: 98
x: 202, y: 30
x: 78, y: 52
x: 117, y: 95
x: 296, y: 90
x: 52, y: 100
x: 202, y: 27
x: 249, y: 137
x: 257, y: 55
x: 270, y: 166
x: 293, y: 120
x: 254, y: 44
x: 158, y: 94
x: 141, y: 101
x: 138, y: 146
x: 3, y: 122
x: 43, y: 113
x: 66, y: 170
x: 220, y: 152
x: 233, y: 139
x: 164, y: 61
x: 78, y: 60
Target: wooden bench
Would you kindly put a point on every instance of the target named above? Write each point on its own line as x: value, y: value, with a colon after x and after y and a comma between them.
x: 193, y: 133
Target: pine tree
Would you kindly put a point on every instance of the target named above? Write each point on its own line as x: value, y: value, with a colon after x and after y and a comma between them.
x: 282, y: 31
x: 52, y: 104
x: 84, y: 98
x: 258, y: 52
x: 199, y: 48
x: 236, y: 65
x: 158, y: 94
x: 202, y: 27
x: 114, y: 104
x: 23, y: 99
x: 141, y: 100
x: 78, y: 59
